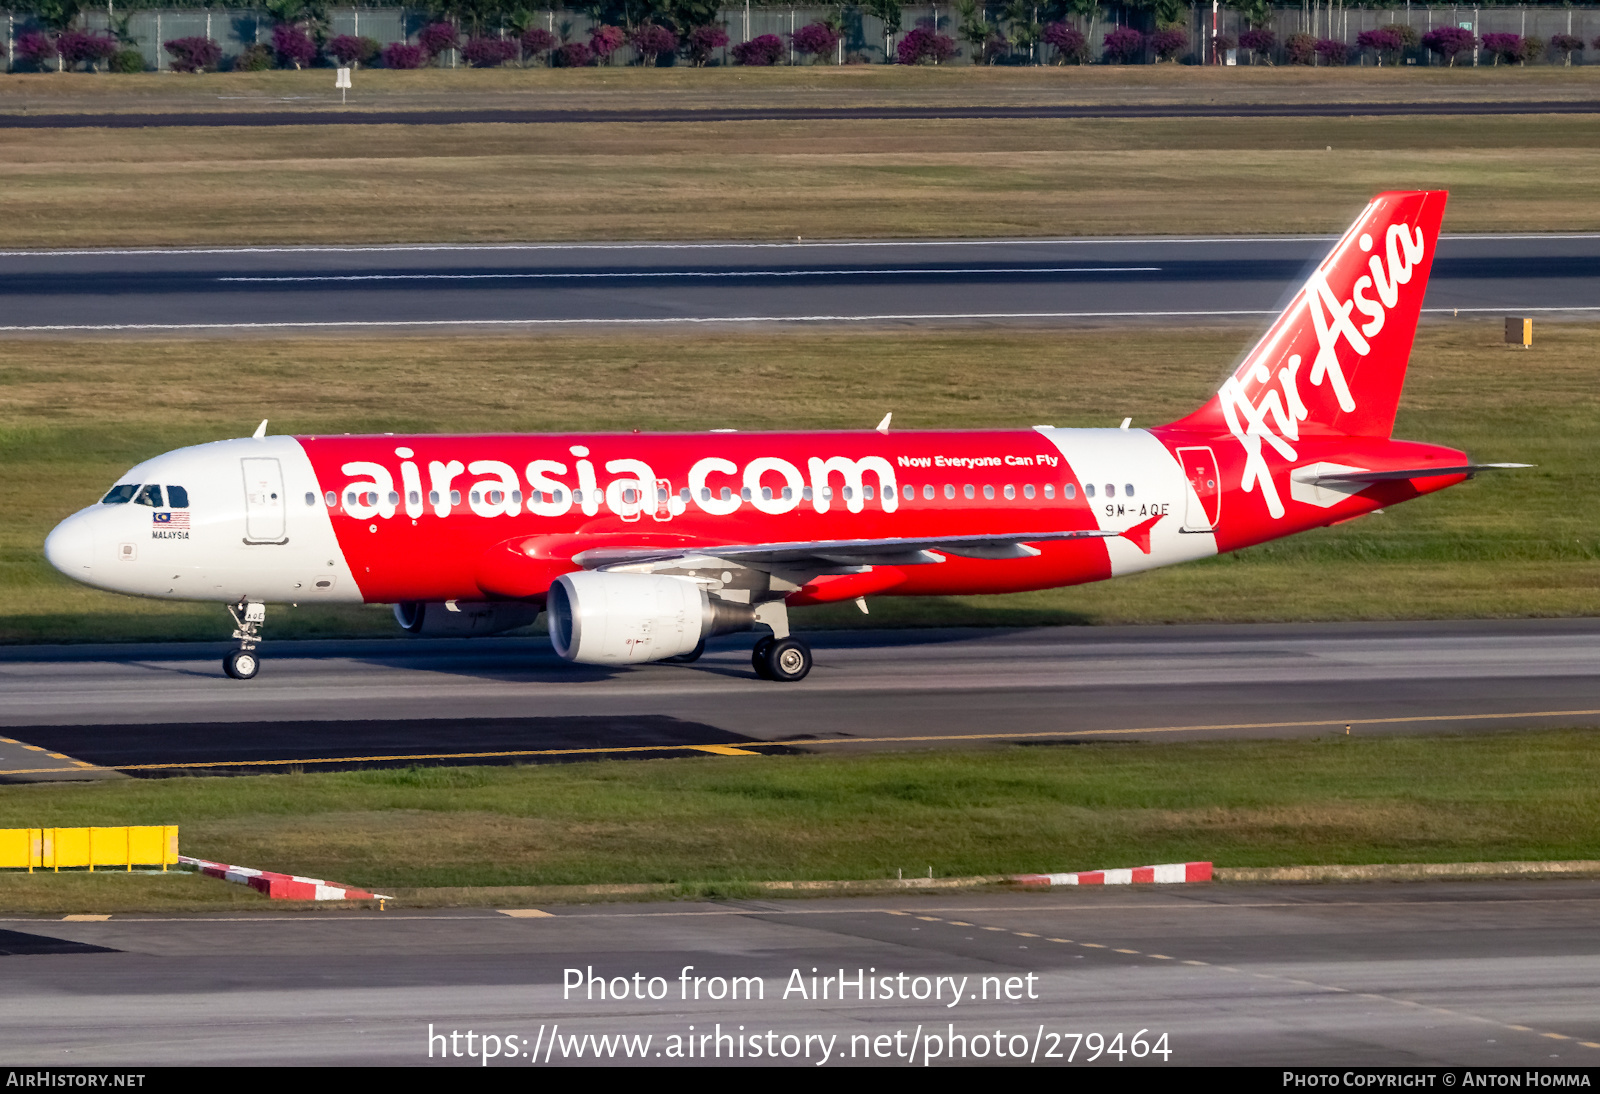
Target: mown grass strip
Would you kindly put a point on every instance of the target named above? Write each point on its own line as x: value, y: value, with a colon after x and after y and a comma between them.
x: 1532, y: 795
x: 827, y: 179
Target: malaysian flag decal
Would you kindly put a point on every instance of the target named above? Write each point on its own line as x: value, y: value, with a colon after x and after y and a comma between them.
x: 172, y: 520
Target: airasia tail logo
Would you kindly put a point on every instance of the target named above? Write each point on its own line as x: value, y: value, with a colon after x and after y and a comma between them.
x: 1261, y: 414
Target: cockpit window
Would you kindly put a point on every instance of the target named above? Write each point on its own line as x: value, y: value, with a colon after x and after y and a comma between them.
x: 177, y: 497
x: 150, y: 495
x: 120, y: 495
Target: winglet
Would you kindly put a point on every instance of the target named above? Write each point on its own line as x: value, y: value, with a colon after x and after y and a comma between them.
x: 883, y: 426
x: 1139, y: 534
x: 261, y: 430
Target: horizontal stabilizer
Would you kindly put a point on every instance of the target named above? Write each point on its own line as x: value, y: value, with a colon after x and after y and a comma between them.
x: 1404, y: 473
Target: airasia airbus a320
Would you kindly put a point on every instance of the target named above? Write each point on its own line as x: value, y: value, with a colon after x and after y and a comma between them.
x: 640, y: 547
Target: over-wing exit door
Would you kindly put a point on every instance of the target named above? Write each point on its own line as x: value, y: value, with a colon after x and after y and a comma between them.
x: 263, y: 501
x: 1205, y: 503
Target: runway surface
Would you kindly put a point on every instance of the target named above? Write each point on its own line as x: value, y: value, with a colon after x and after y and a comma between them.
x: 322, y: 114
x: 1426, y: 974
x: 531, y: 286
x: 167, y: 709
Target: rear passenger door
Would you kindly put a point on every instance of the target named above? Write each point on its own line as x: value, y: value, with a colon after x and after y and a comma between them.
x: 1205, y: 501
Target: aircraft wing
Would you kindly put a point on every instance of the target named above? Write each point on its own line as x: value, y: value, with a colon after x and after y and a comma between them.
x: 838, y: 552
x: 1405, y: 473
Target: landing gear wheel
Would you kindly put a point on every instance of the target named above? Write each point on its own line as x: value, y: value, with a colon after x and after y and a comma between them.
x: 785, y: 660
x: 686, y: 658
x: 758, y: 656
x: 241, y: 664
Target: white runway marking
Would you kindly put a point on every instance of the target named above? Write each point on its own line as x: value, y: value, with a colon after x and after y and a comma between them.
x: 701, y: 320
x: 514, y: 276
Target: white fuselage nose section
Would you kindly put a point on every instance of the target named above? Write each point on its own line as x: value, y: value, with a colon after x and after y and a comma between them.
x: 255, y: 528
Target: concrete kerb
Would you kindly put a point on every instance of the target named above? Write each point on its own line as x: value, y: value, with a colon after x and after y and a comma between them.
x: 1410, y: 871
x: 577, y: 894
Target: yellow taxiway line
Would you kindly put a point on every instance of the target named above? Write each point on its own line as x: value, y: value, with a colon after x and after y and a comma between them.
x: 745, y: 748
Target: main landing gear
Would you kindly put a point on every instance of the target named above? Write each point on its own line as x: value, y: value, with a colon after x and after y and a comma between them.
x: 778, y: 656
x: 785, y: 660
x: 248, y: 616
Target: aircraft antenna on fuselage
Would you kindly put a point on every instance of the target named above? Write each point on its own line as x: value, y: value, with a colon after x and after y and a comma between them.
x: 261, y: 430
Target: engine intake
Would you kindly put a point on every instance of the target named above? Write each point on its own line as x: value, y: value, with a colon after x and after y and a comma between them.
x: 621, y: 619
x: 433, y: 619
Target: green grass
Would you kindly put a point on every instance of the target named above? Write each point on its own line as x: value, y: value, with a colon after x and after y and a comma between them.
x: 777, y: 180
x: 715, y: 821
x: 75, y: 414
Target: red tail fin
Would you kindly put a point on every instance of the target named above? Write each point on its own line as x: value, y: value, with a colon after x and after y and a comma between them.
x: 1335, y: 360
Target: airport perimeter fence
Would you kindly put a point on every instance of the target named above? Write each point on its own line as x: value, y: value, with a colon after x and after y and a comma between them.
x: 862, y: 35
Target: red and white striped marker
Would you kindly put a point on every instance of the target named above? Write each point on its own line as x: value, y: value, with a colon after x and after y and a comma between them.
x: 1172, y: 873
x: 280, y: 886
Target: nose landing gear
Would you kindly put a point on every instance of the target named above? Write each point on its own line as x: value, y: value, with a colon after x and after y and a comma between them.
x: 248, y: 616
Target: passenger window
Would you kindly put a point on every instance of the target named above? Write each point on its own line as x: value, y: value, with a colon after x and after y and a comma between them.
x: 685, y: 494
x: 988, y: 491
x: 149, y: 495
x: 516, y: 497
x: 311, y: 499
x: 949, y: 491
x: 766, y: 493
x: 788, y: 493
x: 927, y: 492
x: 177, y: 497
x: 330, y: 499
x: 1069, y: 491
x: 455, y: 497
x: 1088, y: 490
x: 849, y: 492
x: 908, y: 491
x: 744, y: 493
x: 1027, y: 491
x: 805, y: 492
x: 727, y: 495
x: 1050, y: 490
x: 350, y: 499
x: 968, y: 491
x: 1111, y: 490
x: 414, y: 497
x: 705, y: 493
x: 866, y: 492
x: 1127, y: 491
x: 1011, y: 491
x: 433, y: 497
x: 661, y: 494
x: 394, y: 498
x: 476, y: 497
x: 120, y: 495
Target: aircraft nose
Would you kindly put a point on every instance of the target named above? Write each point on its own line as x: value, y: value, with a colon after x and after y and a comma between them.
x: 70, y: 547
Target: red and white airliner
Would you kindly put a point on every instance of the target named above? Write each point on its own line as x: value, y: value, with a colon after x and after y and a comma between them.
x: 640, y: 547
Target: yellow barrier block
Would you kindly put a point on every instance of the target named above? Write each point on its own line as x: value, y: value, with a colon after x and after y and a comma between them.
x: 18, y: 848
x: 53, y: 848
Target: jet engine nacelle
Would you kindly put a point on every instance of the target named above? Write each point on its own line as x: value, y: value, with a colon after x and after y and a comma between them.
x: 620, y: 619
x: 462, y: 619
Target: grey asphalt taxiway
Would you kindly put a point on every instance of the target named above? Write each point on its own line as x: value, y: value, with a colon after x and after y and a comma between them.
x: 84, y: 712
x: 1425, y: 974
x: 556, y: 286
